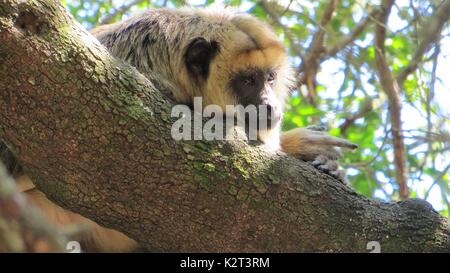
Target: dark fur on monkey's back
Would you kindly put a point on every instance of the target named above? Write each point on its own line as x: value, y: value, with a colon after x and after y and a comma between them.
x: 159, y: 43
x: 9, y: 160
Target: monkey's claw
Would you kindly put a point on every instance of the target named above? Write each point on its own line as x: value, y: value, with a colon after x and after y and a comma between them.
x: 329, y: 167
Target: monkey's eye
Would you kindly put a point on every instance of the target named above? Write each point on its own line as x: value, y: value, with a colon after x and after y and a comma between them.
x: 272, y: 77
x: 250, y: 81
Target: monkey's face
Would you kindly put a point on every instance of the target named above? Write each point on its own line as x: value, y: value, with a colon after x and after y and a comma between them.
x: 245, y: 72
x: 255, y: 86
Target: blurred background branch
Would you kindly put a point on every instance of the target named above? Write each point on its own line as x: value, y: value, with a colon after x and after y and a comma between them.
x: 22, y: 228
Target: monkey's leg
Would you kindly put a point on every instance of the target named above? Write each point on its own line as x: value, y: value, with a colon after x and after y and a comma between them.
x: 95, y: 239
x: 313, y: 145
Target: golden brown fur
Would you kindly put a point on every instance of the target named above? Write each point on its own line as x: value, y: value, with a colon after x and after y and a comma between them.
x: 95, y: 238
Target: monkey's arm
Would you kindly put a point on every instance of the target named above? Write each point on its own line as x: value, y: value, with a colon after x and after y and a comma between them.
x: 314, y: 145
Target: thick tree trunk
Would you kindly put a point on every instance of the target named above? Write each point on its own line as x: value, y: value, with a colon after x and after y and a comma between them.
x: 94, y: 135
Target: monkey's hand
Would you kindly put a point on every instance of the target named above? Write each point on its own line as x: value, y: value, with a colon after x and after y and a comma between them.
x: 313, y: 145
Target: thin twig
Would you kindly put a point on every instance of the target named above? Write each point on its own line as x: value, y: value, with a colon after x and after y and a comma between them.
x: 365, y: 108
x: 316, y: 48
x: 362, y: 25
x: 275, y: 18
x: 443, y: 173
x: 430, y: 33
x: 119, y: 12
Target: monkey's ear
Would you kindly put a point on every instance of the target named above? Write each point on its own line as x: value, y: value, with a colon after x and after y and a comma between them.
x: 199, y: 55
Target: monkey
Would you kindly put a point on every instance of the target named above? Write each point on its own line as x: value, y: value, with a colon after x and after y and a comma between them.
x: 223, y: 56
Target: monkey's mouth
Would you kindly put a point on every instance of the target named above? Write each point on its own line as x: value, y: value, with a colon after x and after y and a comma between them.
x: 265, y: 121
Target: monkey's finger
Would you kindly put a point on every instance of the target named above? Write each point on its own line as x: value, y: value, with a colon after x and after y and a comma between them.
x: 327, y: 154
x: 340, y: 175
x: 333, y: 141
x: 329, y: 166
x: 320, y: 160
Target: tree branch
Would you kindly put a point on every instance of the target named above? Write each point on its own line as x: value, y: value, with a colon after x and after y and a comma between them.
x: 390, y: 87
x: 275, y: 18
x: 430, y: 33
x: 317, y: 47
x: 362, y: 25
x: 310, y: 64
x: 120, y: 11
x: 94, y: 135
x: 363, y: 110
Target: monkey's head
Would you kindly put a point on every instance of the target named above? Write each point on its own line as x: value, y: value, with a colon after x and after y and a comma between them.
x: 227, y: 58
x: 236, y: 60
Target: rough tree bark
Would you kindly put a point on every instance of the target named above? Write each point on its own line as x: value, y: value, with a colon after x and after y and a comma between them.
x: 94, y: 135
